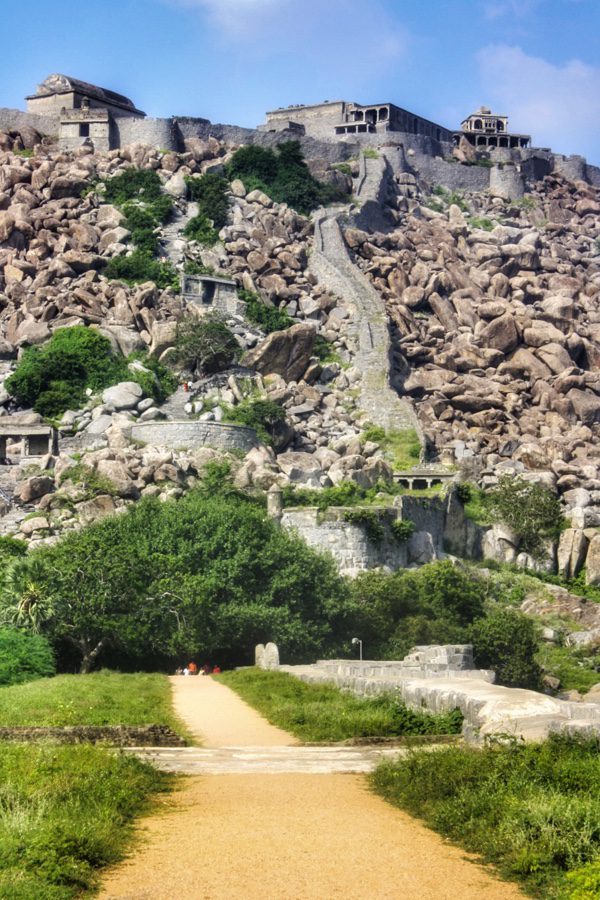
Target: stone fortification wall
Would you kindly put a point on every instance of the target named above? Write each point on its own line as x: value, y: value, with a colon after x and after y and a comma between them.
x: 438, y: 679
x: 12, y: 119
x: 156, y: 132
x: 453, y: 176
x: 191, y: 435
x: 349, y: 543
x: 506, y: 182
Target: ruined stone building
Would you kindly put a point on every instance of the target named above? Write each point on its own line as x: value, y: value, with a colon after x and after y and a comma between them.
x: 336, y: 118
x: 84, y: 111
x: 486, y: 130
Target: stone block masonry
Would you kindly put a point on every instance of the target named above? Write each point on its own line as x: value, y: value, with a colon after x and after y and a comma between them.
x: 436, y: 678
x: 191, y: 435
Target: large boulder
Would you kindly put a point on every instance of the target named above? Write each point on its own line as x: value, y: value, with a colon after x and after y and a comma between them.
x: 286, y: 353
x: 301, y: 468
x: 125, y: 395
x: 571, y: 552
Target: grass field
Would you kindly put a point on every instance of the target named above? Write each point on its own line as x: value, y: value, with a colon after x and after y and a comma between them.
x: 533, y: 810
x: 102, y: 698
x: 325, y: 714
x: 65, y: 812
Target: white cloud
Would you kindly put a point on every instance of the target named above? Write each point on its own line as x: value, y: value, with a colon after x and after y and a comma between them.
x: 336, y: 44
x: 558, y: 104
x: 235, y: 18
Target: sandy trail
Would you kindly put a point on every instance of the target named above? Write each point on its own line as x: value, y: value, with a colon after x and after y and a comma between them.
x: 217, y: 717
x: 285, y: 837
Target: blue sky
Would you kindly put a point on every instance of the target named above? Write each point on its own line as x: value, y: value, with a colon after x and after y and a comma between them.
x: 230, y: 60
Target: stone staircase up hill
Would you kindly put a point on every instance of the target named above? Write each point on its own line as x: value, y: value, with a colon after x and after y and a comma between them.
x: 332, y: 266
x: 171, y: 241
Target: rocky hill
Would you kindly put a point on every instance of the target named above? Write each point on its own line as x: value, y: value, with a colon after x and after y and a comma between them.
x: 467, y: 319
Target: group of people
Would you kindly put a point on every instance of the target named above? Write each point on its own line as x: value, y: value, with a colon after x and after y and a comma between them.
x: 192, y: 669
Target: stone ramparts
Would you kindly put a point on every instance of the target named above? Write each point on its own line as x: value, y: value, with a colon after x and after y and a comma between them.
x: 193, y: 434
x: 440, y: 680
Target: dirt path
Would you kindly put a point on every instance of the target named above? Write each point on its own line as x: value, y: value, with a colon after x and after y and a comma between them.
x: 217, y: 717
x: 285, y: 837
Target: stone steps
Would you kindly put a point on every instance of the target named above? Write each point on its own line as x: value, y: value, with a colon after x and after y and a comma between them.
x: 266, y: 760
x: 331, y: 264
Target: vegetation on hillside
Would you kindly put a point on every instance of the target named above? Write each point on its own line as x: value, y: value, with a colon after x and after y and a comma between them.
x: 402, y: 449
x: 205, y: 344
x: 268, y: 318
x: 67, y: 813
x: 532, y: 809
x: 283, y: 175
x: 139, y: 195
x: 211, y: 193
x: 322, y: 713
x: 531, y: 511
x: 54, y: 377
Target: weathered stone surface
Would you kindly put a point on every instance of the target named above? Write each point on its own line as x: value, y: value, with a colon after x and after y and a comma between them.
x: 286, y: 353
x: 34, y: 488
x: 125, y: 395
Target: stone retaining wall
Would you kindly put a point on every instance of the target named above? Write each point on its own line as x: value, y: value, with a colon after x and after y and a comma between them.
x: 117, y: 735
x: 194, y: 434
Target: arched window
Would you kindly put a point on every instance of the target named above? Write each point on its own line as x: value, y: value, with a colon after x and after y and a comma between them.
x: 500, y: 125
x: 478, y: 124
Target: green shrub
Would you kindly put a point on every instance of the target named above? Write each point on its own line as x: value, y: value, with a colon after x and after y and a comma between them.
x: 403, y: 529
x: 140, y: 266
x: 283, y: 175
x: 205, y: 344
x: 346, y: 493
x: 431, y: 605
x: 133, y: 184
x: 91, y: 482
x: 262, y: 415
x: 200, y: 229
x: 53, y: 377
x: 505, y: 641
x: 268, y: 318
x: 210, y: 192
x: 24, y: 656
x: 584, y: 882
x: 402, y: 449
x: 367, y: 519
x: 370, y: 153
x: 531, y: 510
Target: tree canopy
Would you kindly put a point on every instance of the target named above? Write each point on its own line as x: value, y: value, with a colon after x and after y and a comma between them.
x: 209, y: 575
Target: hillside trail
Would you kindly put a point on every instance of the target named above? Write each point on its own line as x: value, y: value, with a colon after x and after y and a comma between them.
x: 281, y: 836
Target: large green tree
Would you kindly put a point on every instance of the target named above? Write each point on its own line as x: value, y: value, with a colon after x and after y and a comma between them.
x: 206, y: 574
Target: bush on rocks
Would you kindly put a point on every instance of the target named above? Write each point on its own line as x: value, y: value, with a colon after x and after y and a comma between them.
x: 205, y: 344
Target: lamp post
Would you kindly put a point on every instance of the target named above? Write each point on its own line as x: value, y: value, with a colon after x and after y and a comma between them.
x: 359, y: 642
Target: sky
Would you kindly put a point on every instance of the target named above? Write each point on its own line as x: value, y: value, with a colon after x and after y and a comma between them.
x: 537, y: 61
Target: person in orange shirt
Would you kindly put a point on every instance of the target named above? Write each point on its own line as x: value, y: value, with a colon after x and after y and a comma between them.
x: 193, y: 668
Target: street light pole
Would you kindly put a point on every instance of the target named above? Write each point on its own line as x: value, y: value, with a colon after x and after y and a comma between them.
x: 360, y: 643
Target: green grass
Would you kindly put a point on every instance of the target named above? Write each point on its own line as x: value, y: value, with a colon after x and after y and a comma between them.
x: 532, y: 810
x: 575, y: 668
x: 402, y: 449
x: 318, y: 713
x: 65, y: 813
x: 102, y: 698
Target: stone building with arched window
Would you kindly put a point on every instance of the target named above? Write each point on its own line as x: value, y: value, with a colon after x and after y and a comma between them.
x: 486, y: 130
